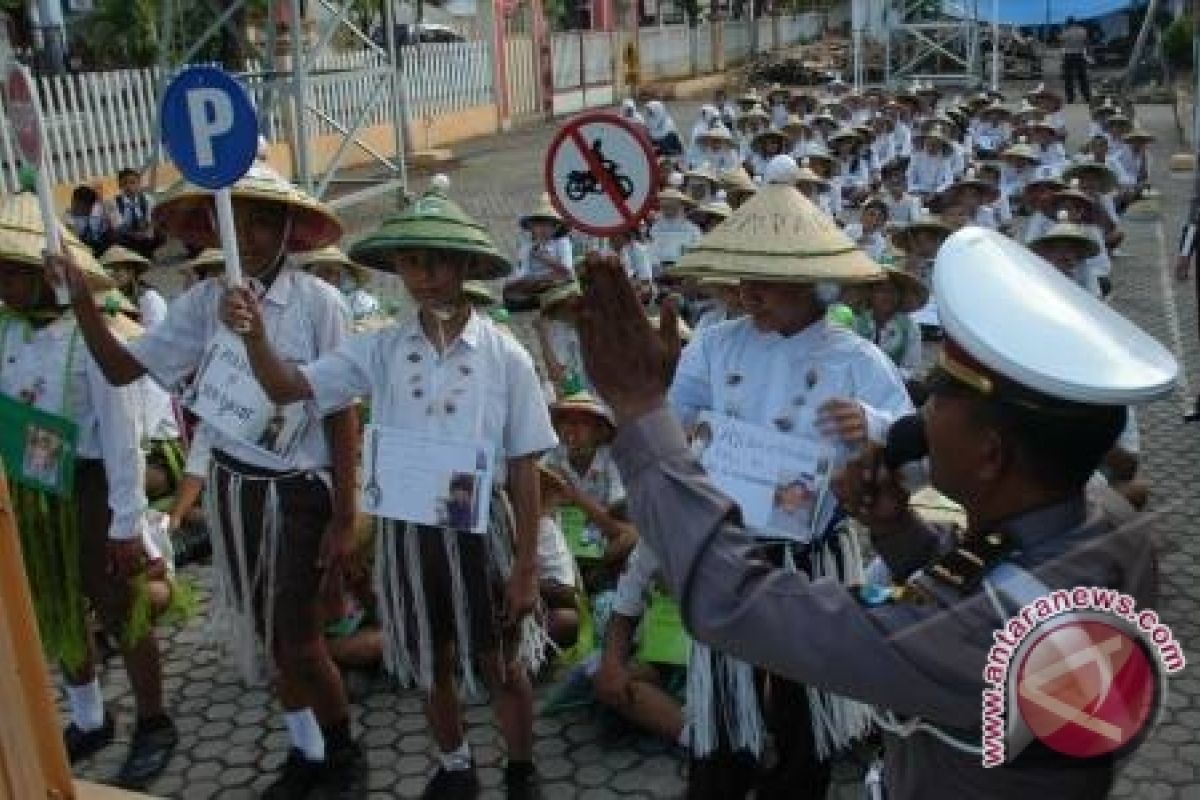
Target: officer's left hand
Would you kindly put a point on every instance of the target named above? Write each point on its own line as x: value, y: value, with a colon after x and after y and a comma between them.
x: 844, y: 419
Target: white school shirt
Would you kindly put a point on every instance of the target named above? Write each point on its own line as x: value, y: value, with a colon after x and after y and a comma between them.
x: 1099, y: 265
x: 34, y: 369
x: 1053, y: 155
x: 564, y: 341
x: 635, y: 582
x: 903, y: 209
x: 601, y: 482
x: 902, y: 140
x: 1134, y: 164
x: 152, y: 307
x: 1039, y: 224
x: 305, y: 318
x: 554, y: 560
x: 715, y: 315
x: 855, y: 173
x: 1125, y: 178
x: 669, y: 237
x: 778, y: 382
x: 483, y: 387
x: 155, y: 411
x: 874, y: 244
x: 929, y: 174
x: 635, y: 258
x: 558, y: 248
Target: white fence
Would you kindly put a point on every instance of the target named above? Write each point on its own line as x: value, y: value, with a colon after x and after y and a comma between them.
x: 97, y: 123
x: 737, y: 41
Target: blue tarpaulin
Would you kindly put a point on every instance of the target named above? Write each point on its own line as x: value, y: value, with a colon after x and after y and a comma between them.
x: 1034, y: 12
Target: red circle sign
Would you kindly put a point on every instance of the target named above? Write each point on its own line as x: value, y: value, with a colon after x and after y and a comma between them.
x: 600, y: 173
x: 1086, y: 688
x: 24, y: 114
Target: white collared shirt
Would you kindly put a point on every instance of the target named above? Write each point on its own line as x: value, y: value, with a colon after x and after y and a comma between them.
x: 305, y: 318
x: 483, y: 387
x: 152, y: 307
x: 929, y: 174
x: 670, y: 237
x: 779, y: 382
x: 601, y: 482
x: 51, y: 368
x: 899, y: 339
x: 530, y: 266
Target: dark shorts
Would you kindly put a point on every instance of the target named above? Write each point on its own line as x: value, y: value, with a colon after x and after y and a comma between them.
x: 305, y: 507
x: 484, y: 591
x: 110, y: 599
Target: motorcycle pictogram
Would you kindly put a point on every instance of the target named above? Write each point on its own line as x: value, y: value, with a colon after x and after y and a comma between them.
x: 581, y: 183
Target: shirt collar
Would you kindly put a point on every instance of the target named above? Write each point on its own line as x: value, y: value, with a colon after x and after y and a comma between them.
x: 281, y: 289
x: 1035, y: 530
x: 471, y: 333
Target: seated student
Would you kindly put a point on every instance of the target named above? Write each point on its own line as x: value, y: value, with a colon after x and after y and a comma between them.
x: 991, y: 130
x: 1018, y: 165
x: 966, y: 202
x: 592, y: 484
x: 930, y: 169
x: 1083, y: 209
x: 331, y: 265
x: 672, y: 232
x: 815, y: 187
x: 765, y: 145
x: 870, y: 232
x: 726, y: 301
x: 902, y: 207
x: 131, y: 215
x: 712, y: 213
x: 630, y: 687
x: 662, y: 131
x: 1037, y: 202
x: 853, y: 167
x: 1000, y: 207
x: 1134, y: 156
x: 559, y: 343
x: 704, y: 123
x: 717, y: 147
x: 1070, y: 247
x: 127, y: 269
x: 635, y: 257
x: 558, y: 579
x: 86, y: 219
x: 352, y: 634
x: 544, y: 257
x: 887, y: 323
x: 920, y: 241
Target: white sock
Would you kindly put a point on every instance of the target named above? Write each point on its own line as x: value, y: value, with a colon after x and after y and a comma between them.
x: 87, y: 705
x: 306, y: 733
x: 456, y: 759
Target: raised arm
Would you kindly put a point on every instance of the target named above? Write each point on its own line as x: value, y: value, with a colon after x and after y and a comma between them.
x: 119, y: 366
x: 282, y: 381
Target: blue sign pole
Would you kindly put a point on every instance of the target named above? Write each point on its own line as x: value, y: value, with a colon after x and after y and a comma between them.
x: 210, y: 130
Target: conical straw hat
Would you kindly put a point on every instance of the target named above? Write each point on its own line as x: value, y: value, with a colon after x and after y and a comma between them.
x: 331, y: 255
x: 925, y: 221
x: 1066, y: 231
x: 118, y: 256
x: 913, y: 295
x: 703, y: 172
x: 433, y: 222
x: 778, y: 235
x: 584, y: 403
x: 1139, y: 134
x: 1102, y: 173
x: 1020, y: 150
x: 189, y: 215
x: 759, y: 141
x: 23, y: 240
x: 737, y: 180
x: 717, y: 133
x: 545, y: 211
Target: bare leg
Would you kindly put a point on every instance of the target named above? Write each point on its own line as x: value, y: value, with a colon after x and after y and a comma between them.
x: 636, y: 695
x: 441, y: 707
x: 512, y: 701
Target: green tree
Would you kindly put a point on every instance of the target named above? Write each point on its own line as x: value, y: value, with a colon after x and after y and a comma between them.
x: 121, y: 33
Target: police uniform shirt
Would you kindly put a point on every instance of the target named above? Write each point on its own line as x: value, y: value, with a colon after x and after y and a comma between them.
x: 779, y: 382
x: 304, y: 318
x: 917, y: 659
x: 483, y: 387
x: 633, y: 586
x: 51, y: 369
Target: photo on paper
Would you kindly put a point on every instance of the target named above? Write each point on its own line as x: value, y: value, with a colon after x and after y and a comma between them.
x: 282, y: 430
x: 43, y: 453
x: 458, y: 507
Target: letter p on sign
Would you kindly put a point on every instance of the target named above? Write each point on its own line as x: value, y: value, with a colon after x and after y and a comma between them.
x: 209, y: 127
x: 211, y: 114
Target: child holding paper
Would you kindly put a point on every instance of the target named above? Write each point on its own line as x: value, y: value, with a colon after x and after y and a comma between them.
x: 280, y: 522
x: 82, y: 544
x: 452, y: 600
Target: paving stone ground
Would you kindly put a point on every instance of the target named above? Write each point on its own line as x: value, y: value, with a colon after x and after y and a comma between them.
x: 233, y: 739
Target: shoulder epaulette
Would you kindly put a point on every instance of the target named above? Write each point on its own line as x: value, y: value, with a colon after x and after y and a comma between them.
x: 963, y: 568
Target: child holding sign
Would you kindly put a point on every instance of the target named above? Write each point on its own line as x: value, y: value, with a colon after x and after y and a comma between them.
x: 70, y: 447
x: 283, y: 518
x: 453, y: 598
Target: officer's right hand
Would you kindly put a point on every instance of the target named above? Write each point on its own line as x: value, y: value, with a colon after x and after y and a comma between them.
x: 240, y: 313
x: 868, y: 491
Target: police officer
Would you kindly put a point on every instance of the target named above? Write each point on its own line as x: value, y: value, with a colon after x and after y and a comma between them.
x: 1014, y: 430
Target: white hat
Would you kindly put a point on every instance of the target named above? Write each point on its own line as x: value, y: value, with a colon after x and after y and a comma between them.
x: 1009, y: 317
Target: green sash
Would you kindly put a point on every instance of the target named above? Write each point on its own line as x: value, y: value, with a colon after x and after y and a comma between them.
x: 663, y: 641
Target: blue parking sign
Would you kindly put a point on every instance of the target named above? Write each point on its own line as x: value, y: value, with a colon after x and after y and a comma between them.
x: 209, y: 127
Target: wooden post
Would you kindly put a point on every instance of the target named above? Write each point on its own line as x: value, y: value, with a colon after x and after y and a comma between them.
x: 32, y: 761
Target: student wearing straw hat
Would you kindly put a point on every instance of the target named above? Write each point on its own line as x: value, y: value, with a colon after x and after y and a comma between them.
x: 737, y: 185
x: 870, y: 232
x: 763, y: 147
x: 559, y: 344
x: 931, y: 167
x: 783, y: 368
x: 282, y: 521
x: 709, y: 116
x: 672, y: 232
x: 1018, y: 163
x: 544, y: 256
x: 1068, y: 247
x: 331, y: 265
x: 902, y: 206
x: 1134, y: 156
x: 127, y: 269
x: 717, y: 146
x: 700, y: 182
x: 887, y: 323
x: 79, y: 506
x: 456, y: 605
x: 1084, y: 209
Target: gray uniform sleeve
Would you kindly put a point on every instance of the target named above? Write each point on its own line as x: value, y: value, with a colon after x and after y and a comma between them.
x: 914, y: 659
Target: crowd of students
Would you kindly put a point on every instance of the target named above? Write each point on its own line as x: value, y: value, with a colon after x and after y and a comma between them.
x: 560, y: 585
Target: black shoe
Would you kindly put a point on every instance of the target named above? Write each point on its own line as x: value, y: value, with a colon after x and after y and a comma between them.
x: 458, y: 784
x: 521, y: 782
x: 82, y: 744
x: 297, y: 780
x: 346, y: 774
x: 153, y: 744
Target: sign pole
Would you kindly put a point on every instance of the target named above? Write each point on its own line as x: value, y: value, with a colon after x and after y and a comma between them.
x: 229, y: 245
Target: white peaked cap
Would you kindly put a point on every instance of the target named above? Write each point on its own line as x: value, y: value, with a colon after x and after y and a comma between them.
x: 1024, y: 320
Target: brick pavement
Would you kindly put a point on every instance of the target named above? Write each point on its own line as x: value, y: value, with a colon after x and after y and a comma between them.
x: 233, y: 738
